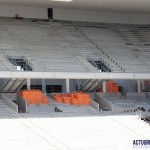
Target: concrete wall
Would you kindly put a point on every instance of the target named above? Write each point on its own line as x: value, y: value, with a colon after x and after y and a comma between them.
x: 74, y: 15
x: 103, y: 103
x: 12, y: 96
x: 95, y: 16
x: 107, y: 94
x: 9, y: 102
x: 127, y: 85
x: 22, y: 104
x: 25, y: 12
x: 94, y: 104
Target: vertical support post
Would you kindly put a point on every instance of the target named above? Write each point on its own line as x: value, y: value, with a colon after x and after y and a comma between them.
x: 138, y: 85
x: 28, y: 84
x: 104, y: 86
x: 43, y: 86
x: 77, y: 84
x: 143, y: 85
x: 67, y: 86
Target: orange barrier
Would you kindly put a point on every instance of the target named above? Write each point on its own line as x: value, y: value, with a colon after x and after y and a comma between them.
x: 111, y: 86
x: 74, y: 98
x: 33, y: 96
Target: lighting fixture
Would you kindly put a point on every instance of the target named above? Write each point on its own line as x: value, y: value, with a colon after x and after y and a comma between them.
x: 61, y: 0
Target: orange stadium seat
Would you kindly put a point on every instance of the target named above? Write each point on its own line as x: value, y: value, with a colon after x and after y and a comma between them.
x: 74, y: 98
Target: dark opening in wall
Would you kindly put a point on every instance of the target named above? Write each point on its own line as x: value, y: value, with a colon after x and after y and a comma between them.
x: 50, y: 13
x: 54, y: 88
x: 49, y: 88
x: 38, y: 87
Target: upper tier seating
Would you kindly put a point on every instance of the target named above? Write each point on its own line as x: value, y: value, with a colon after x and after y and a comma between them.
x: 64, y: 46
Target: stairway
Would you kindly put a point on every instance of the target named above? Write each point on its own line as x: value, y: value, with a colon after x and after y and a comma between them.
x: 20, y: 63
x: 83, y: 60
x: 92, y: 85
x: 12, y: 85
x: 101, y: 64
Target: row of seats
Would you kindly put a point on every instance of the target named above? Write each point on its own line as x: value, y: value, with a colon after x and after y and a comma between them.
x: 114, y: 44
x: 65, y: 46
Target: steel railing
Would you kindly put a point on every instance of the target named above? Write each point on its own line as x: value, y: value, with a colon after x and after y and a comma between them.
x: 100, y: 64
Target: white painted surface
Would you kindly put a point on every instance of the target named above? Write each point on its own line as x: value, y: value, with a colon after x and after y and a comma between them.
x: 65, y: 133
x: 23, y: 11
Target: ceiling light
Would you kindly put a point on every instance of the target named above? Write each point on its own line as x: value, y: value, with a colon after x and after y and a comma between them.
x: 61, y: 0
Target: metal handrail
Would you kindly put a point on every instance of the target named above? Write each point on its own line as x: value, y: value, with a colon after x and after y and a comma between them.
x: 27, y: 65
x: 93, y: 62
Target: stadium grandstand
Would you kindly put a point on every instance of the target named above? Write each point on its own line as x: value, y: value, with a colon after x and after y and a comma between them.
x: 74, y: 75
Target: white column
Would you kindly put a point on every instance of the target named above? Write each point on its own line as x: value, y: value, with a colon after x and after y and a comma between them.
x: 104, y: 86
x: 138, y: 85
x: 43, y: 86
x: 28, y: 84
x: 67, y: 86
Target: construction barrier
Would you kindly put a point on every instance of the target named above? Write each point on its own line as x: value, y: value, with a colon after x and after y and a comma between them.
x: 34, y: 97
x: 111, y: 86
x: 74, y: 98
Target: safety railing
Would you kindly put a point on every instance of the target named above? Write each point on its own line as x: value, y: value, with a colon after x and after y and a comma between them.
x: 20, y: 63
x: 100, y: 64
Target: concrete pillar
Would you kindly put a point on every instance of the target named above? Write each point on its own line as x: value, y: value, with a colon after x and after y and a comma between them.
x: 143, y: 85
x: 104, y: 86
x: 43, y: 86
x: 67, y: 86
x: 138, y: 85
x: 77, y: 84
x: 28, y: 84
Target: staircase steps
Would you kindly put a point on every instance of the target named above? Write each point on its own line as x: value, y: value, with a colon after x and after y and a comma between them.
x: 13, y: 85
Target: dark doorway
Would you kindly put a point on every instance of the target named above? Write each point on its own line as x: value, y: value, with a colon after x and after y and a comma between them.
x: 54, y: 88
x: 49, y: 88
x: 50, y: 13
x: 38, y: 87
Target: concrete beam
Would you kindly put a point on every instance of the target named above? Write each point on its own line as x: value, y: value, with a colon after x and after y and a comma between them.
x: 142, y: 76
x: 72, y: 75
